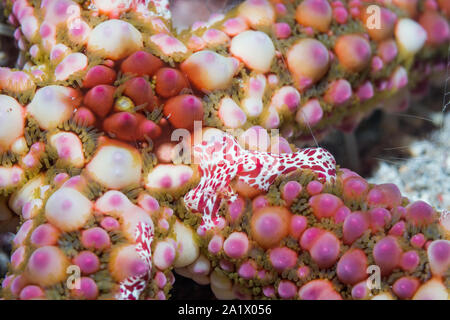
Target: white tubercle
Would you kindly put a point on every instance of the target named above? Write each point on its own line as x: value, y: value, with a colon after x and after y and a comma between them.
x: 231, y: 114
x: 118, y: 205
x: 52, y: 105
x: 114, y: 39
x: 68, y: 209
x: 255, y: 49
x: 71, y: 64
x: 255, y: 87
x: 61, y: 11
x: 169, y: 177
x: 187, y: 247
x: 11, y: 121
x: 78, y: 31
x: 69, y: 148
x: 257, y: 13
x: 410, y: 35
x: 271, y: 118
x: 209, y: 70
x: 25, y: 194
x: 201, y: 266
x: 221, y: 286
x: 168, y: 44
x: 116, y: 166
x: 286, y: 98
x: 10, y: 176
x: 59, y: 52
x: 433, y: 289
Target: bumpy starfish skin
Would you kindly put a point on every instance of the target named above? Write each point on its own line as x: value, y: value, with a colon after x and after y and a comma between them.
x: 223, y: 159
x: 303, y: 64
x: 109, y: 241
x: 309, y: 240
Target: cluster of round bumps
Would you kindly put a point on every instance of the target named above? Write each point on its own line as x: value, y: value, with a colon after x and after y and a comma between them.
x: 310, y: 241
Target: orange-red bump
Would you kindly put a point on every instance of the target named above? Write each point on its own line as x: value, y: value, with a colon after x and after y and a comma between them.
x: 140, y: 91
x: 169, y: 82
x: 141, y: 63
x: 183, y: 110
x: 100, y: 99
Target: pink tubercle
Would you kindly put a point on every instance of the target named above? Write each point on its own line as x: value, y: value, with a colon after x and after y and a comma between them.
x: 384, y: 195
x: 355, y: 224
x: 236, y: 245
x: 325, y: 250
x: 420, y: 213
x: 23, y: 232
x: 379, y: 218
x: 31, y: 292
x: 95, y: 238
x: 398, y: 79
x: 88, y: 289
x: 17, y: 284
x: 234, y: 26
x: 409, y: 260
x: 7, y: 281
x: 247, y: 270
x: 110, y: 224
x: 387, y: 50
x: 340, y: 14
x: 282, y: 30
x: 418, y: 240
x: 163, y: 224
x: 310, y: 113
x: 87, y: 261
x: 377, y: 64
x: 269, y: 291
x: 398, y: 229
x: 352, y: 266
x: 314, y: 187
x: 259, y: 202
x: 365, y: 91
x: 164, y: 255
x: 226, y: 265
x: 282, y: 258
x: 338, y: 92
x: 17, y: 257
x: 405, y: 287
x: 287, y: 289
x: 215, y: 245
x: 318, y: 290
x: 303, y: 272
x: 387, y: 254
x: 44, y: 235
x: 297, y: 226
x: 360, y: 291
x: 160, y: 279
x: 280, y: 9
x: 236, y: 209
x: 341, y: 214
x: 325, y: 205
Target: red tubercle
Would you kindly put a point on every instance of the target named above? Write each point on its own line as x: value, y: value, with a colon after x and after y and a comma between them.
x: 183, y: 110
x: 85, y: 117
x: 99, y: 75
x: 170, y: 82
x: 100, y: 99
x: 141, y: 63
x: 140, y: 91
